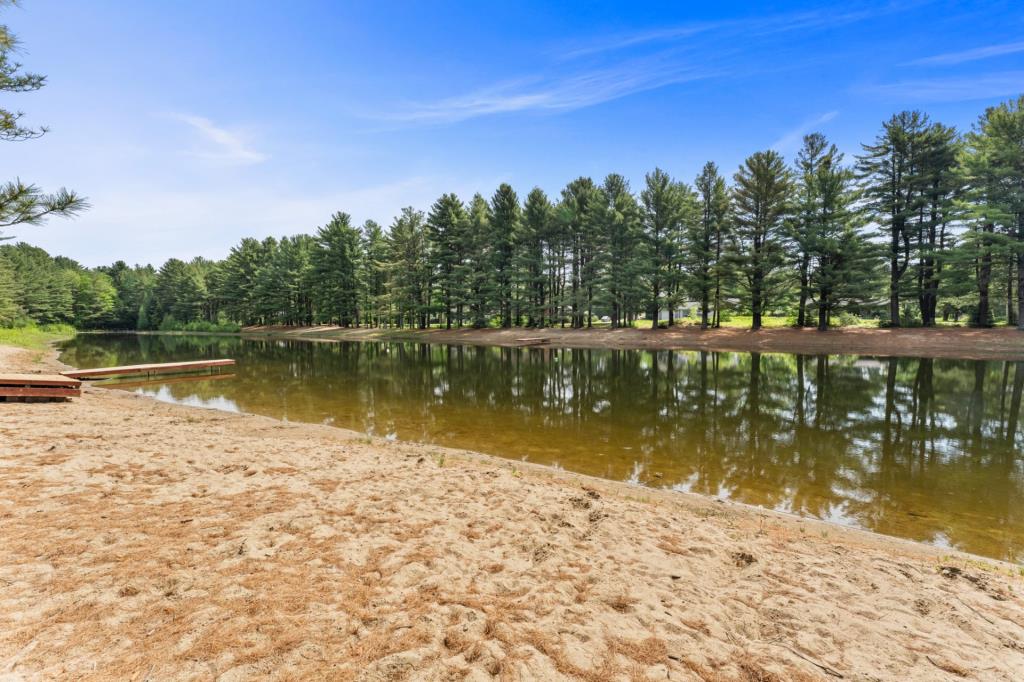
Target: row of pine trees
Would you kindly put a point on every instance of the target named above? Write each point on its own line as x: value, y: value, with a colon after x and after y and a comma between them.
x: 924, y: 224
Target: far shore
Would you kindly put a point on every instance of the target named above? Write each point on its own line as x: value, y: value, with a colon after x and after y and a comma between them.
x: 149, y: 540
x: 1001, y: 343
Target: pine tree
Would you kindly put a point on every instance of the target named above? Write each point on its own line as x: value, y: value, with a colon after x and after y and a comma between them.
x: 664, y: 205
x: 409, y: 268
x: 837, y: 262
x: 476, y: 269
x: 237, y: 282
x: 178, y: 295
x: 10, y: 311
x: 622, y: 254
x: 937, y: 184
x: 506, y: 215
x: 579, y: 237
x: 994, y: 165
x: 335, y: 272
x: 761, y: 195
x: 889, y: 168
x: 534, y: 232
x: 446, y: 227
x: 22, y: 203
x: 808, y: 213
x: 375, y: 274
x: 94, y: 299
x: 704, y: 242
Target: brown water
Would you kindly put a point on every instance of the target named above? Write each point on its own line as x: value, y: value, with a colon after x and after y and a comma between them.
x: 920, y: 448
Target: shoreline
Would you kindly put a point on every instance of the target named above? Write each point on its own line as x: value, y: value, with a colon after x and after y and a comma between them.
x: 965, y: 343
x: 422, y: 542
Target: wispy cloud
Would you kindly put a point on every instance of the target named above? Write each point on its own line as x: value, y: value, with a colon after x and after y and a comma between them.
x: 953, y: 89
x: 568, y: 92
x: 971, y: 55
x: 221, y: 145
x: 611, y: 67
x: 751, y: 27
x: 627, y: 40
x: 791, y: 139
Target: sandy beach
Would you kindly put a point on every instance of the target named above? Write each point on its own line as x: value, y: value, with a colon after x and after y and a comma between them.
x: 944, y: 342
x: 143, y: 540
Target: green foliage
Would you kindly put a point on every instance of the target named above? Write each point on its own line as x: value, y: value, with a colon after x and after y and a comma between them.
x: 506, y: 215
x: 536, y: 231
x: 409, y: 269
x: 992, y: 167
x: 761, y: 201
x: 665, y: 211
x: 705, y: 244
x: 783, y: 245
x: 622, y: 259
x: 447, y: 227
x: 335, y: 272
x: 21, y: 203
x: 835, y: 258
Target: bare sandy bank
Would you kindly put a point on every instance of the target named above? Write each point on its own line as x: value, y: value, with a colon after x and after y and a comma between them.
x: 984, y: 344
x: 145, y: 540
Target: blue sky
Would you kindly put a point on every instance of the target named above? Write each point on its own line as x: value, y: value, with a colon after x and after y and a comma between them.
x: 192, y: 124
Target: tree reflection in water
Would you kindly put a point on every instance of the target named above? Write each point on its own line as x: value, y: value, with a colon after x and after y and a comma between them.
x: 919, y: 448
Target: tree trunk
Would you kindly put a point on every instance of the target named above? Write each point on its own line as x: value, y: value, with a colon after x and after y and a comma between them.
x: 705, y: 296
x: 983, y: 316
x: 895, y: 273
x: 654, y: 307
x: 1020, y: 272
x: 756, y: 299
x: 801, y: 316
x: 1011, y: 316
x: 823, y: 305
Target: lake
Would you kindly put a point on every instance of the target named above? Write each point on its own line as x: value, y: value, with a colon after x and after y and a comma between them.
x: 919, y: 448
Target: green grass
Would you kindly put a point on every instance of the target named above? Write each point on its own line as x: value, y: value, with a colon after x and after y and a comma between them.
x: 733, y: 322
x: 768, y: 322
x: 35, y: 337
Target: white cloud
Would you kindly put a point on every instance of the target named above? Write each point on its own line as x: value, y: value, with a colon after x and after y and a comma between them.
x: 790, y: 140
x: 565, y: 93
x: 222, y: 145
x: 969, y: 55
x: 958, y: 89
x: 749, y: 27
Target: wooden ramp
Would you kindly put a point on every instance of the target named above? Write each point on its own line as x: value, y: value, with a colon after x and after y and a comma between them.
x: 146, y: 370
x: 35, y: 386
x: 533, y: 341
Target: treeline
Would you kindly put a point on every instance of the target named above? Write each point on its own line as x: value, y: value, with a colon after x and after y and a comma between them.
x: 925, y: 224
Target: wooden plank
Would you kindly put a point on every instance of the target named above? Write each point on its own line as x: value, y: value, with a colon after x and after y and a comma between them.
x: 38, y: 392
x: 38, y: 380
x: 156, y: 368
x: 533, y: 340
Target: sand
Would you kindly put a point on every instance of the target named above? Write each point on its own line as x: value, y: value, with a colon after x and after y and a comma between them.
x: 949, y: 342
x: 142, y: 540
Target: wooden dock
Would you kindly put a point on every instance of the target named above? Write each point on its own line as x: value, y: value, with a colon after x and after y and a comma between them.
x: 147, y: 370
x: 533, y: 341
x: 38, y: 386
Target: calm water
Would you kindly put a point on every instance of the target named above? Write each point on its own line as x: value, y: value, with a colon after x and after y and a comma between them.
x: 920, y: 448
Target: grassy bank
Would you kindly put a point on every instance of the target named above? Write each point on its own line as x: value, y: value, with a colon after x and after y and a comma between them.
x: 36, y: 338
